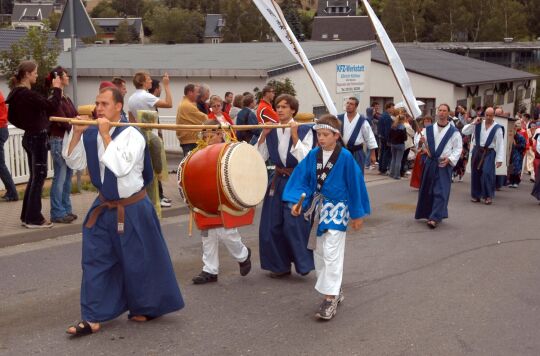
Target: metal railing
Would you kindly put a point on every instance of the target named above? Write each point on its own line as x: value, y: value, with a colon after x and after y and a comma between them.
x: 16, y: 159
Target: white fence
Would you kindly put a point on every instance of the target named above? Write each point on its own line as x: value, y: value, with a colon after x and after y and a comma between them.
x: 169, y: 137
x: 16, y: 159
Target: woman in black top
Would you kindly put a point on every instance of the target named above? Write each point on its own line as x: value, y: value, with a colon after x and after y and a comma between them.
x: 30, y: 111
x: 398, y: 136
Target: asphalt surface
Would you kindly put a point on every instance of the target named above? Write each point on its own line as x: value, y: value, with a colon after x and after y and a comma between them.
x: 468, y: 288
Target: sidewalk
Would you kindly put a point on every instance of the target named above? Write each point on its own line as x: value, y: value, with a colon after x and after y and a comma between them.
x: 12, y: 233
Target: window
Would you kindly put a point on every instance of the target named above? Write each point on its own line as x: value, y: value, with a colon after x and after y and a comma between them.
x: 429, y: 107
x: 511, y: 97
x: 324, y: 36
x: 319, y: 110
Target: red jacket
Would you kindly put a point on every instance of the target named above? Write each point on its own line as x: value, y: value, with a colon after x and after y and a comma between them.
x: 3, y: 111
x: 265, y: 113
x: 226, y: 116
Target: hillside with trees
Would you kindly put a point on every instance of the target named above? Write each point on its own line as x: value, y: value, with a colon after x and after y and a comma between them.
x: 179, y: 21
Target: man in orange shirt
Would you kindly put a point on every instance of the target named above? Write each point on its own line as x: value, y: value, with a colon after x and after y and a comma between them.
x: 5, y: 175
x: 265, y: 111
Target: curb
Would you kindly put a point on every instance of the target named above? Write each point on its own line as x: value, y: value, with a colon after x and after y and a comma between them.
x: 29, y: 236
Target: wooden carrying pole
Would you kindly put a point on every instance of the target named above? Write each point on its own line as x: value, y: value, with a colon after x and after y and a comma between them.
x: 174, y: 127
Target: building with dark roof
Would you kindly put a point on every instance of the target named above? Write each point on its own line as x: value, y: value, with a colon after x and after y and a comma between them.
x: 441, y: 77
x: 518, y: 55
x: 110, y: 25
x: 213, y: 28
x: 336, y: 20
x: 9, y: 36
x: 31, y: 14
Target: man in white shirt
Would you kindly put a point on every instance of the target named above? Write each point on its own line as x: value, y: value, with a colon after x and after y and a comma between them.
x: 443, y: 145
x: 488, y: 154
x: 356, y: 132
x: 143, y: 100
x: 125, y: 262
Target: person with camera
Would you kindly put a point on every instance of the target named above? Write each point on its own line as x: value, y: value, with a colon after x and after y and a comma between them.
x: 61, y: 211
x: 30, y: 111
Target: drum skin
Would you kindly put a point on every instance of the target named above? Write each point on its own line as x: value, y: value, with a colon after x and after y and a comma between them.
x: 200, y: 179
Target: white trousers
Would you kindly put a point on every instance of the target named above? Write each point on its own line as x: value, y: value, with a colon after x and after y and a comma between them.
x: 329, y: 256
x: 231, y: 239
x: 528, y: 162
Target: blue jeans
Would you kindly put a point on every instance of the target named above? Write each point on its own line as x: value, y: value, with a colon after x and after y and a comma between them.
x: 5, y: 175
x: 61, y: 183
x: 395, y: 163
x: 385, y: 156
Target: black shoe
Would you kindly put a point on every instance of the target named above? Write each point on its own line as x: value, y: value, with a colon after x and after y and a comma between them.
x: 73, y: 216
x: 304, y: 274
x: 245, y: 266
x: 204, y: 277
x: 8, y: 198
x: 279, y: 274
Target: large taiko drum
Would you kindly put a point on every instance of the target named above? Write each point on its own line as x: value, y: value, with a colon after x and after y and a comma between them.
x: 222, y: 178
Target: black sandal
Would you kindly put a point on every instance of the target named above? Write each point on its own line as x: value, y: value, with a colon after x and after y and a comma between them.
x: 86, y: 329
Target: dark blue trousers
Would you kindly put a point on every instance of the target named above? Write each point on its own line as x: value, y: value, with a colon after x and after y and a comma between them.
x: 483, y: 180
x: 434, y: 192
x: 130, y: 271
x: 283, y: 238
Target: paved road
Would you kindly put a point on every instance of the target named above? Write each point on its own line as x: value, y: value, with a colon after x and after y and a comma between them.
x: 470, y: 287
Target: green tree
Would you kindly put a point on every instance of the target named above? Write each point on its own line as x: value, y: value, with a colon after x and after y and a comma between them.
x: 175, y: 25
x: 36, y: 45
x: 506, y: 18
x: 292, y: 16
x: 122, y: 34
x: 285, y: 86
x: 104, y: 9
x: 244, y: 22
x: 306, y: 19
x: 54, y: 20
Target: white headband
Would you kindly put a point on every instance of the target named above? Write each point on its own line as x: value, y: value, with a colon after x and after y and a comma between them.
x: 325, y: 126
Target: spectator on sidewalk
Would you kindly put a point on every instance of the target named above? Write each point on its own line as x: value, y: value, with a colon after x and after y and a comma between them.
x: 397, y: 138
x: 385, y: 123
x: 265, y: 111
x: 5, y: 175
x: 61, y: 211
x: 188, y: 114
x: 143, y: 100
x: 30, y: 111
x: 216, y: 103
x: 120, y: 84
x: 236, y: 106
x: 227, y: 102
x: 164, y: 201
x: 202, y: 98
x: 516, y: 156
x: 246, y: 116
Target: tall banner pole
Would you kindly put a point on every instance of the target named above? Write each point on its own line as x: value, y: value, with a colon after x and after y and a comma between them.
x: 275, y: 18
x: 398, y: 69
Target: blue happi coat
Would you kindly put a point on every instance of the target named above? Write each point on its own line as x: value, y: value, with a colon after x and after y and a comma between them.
x: 483, y: 179
x: 434, y: 190
x: 130, y: 271
x: 357, y: 150
x: 344, y: 193
x: 283, y: 238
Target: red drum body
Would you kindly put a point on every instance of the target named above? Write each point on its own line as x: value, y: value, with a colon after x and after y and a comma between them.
x: 222, y: 184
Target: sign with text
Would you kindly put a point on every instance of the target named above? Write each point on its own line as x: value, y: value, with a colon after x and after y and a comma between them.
x: 350, y: 78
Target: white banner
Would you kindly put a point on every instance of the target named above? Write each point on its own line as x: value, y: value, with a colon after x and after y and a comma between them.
x: 400, y: 73
x: 272, y: 13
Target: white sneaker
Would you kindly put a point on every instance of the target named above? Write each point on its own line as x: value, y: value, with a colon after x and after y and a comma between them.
x: 164, y: 203
x: 44, y: 225
x: 166, y: 200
